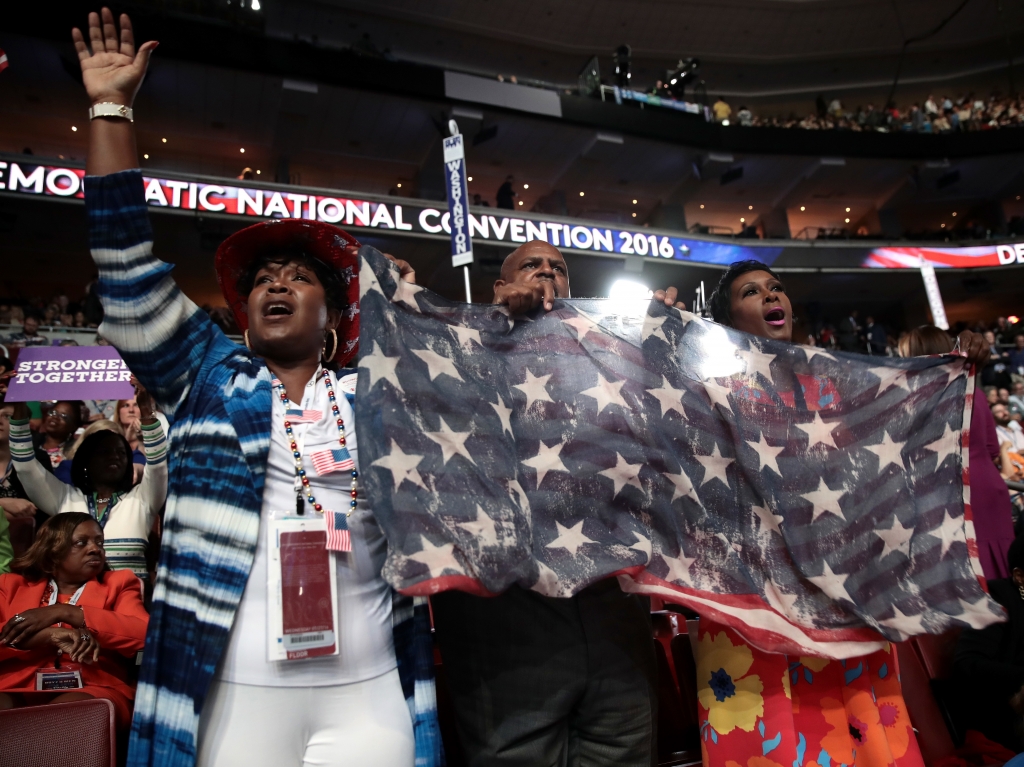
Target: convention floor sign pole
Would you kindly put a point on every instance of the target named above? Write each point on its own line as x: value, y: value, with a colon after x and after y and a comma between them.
x: 458, y: 209
x: 931, y: 288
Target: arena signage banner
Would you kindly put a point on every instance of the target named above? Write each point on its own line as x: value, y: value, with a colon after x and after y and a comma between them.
x: 47, y: 373
x: 421, y: 217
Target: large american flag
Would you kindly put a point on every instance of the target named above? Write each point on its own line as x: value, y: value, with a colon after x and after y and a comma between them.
x: 620, y: 438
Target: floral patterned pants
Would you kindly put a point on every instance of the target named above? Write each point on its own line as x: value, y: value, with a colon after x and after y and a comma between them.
x: 761, y: 709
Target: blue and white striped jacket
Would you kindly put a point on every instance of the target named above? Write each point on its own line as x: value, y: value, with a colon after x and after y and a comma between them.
x: 218, y: 397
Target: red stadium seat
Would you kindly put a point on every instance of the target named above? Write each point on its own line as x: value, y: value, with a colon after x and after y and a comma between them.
x: 925, y: 714
x: 79, y: 734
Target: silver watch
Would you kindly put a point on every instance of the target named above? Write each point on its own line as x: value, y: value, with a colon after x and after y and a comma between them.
x: 110, y: 109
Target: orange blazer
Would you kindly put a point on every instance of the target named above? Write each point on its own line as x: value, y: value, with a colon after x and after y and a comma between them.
x: 114, y: 614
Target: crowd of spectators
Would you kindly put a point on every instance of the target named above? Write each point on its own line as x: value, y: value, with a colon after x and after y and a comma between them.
x: 936, y: 115
x: 27, y: 323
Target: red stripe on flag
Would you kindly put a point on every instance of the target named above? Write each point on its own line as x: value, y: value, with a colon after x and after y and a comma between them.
x: 3, y: 61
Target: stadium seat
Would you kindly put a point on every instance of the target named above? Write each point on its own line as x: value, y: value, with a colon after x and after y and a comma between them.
x: 79, y: 734
x: 23, y: 532
x: 925, y: 714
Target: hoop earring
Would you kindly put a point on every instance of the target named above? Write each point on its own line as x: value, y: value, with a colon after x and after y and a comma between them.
x: 245, y: 336
x: 334, y: 347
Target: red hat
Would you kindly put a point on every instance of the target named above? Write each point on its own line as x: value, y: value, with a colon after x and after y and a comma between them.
x: 328, y: 244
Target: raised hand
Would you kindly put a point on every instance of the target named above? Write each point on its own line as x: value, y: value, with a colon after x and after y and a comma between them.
x: 668, y: 297
x: 144, y: 400
x: 113, y: 71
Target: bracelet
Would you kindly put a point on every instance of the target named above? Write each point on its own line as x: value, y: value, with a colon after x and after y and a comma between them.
x: 110, y: 109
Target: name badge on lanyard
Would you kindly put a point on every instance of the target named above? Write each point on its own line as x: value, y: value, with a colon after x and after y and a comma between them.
x: 69, y: 675
x: 302, y: 589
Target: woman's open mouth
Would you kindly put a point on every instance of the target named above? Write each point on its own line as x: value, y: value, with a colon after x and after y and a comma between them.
x: 776, y: 317
x: 277, y: 309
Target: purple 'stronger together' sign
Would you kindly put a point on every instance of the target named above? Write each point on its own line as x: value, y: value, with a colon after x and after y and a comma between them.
x: 70, y: 372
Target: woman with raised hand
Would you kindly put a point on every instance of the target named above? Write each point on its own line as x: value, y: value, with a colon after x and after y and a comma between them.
x: 761, y: 708
x: 102, y: 483
x: 248, y: 661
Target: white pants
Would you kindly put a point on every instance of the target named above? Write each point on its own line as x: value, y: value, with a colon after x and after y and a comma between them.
x: 365, y: 724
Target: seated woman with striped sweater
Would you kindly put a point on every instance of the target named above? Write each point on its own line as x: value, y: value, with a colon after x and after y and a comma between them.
x: 101, y: 475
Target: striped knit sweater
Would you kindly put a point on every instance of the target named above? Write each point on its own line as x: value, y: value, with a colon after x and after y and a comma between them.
x: 218, y: 398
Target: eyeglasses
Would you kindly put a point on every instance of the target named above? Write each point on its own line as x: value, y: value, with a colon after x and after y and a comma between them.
x: 60, y: 415
x: 5, y: 416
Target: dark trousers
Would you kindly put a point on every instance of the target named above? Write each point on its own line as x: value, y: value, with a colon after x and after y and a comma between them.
x: 537, y: 681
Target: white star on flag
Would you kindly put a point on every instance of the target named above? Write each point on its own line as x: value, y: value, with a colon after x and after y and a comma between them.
x: 681, y: 486
x: 887, y: 452
x: 982, y: 616
x: 547, y: 459
x: 581, y: 324
x: 643, y: 545
x: 907, y: 625
x: 504, y: 413
x: 549, y: 584
x: 405, y: 292
x: 813, y: 351
x: 437, y: 365
x: 381, y: 368
x: 535, y: 388
x: 465, y: 336
x: 757, y: 362
x: 824, y: 501
x: 622, y: 474
x: 678, y: 567
x: 944, y: 446
x: 569, y: 538
x: 436, y: 558
x: 949, y: 531
x: 832, y: 584
x: 769, y: 519
x: 606, y: 393
x: 482, y: 528
x: 768, y: 455
x: 888, y: 377
x: 402, y: 466
x: 780, y: 601
x: 653, y: 327
x: 818, y: 432
x: 452, y: 443
x: 718, y: 394
x: 714, y: 466
x: 668, y: 398
x: 897, y: 538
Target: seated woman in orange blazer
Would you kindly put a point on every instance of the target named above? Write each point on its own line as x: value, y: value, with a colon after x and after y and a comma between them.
x: 68, y: 622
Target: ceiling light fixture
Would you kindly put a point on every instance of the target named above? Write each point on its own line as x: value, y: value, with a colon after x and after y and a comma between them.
x: 520, y: 202
x: 942, y: 226
x: 743, y: 220
x: 526, y: 186
x: 702, y: 207
x: 802, y: 208
x: 634, y: 202
x: 954, y: 213
x: 846, y: 220
x: 750, y: 207
x: 634, y: 215
x: 469, y: 179
x: 74, y: 129
x: 847, y: 210
x: 399, y: 185
x: 257, y: 173
x: 164, y: 140
x: 145, y: 157
x: 242, y: 150
x: 581, y: 194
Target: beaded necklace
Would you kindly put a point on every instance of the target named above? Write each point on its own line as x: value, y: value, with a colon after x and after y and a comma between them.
x: 300, y: 472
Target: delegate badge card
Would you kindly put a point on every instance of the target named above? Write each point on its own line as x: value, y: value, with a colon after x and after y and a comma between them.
x: 302, y: 591
x: 56, y: 681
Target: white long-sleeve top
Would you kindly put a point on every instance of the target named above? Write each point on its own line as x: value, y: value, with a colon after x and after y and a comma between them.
x: 129, y: 522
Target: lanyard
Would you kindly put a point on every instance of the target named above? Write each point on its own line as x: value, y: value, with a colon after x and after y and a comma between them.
x: 91, y: 501
x: 74, y: 598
